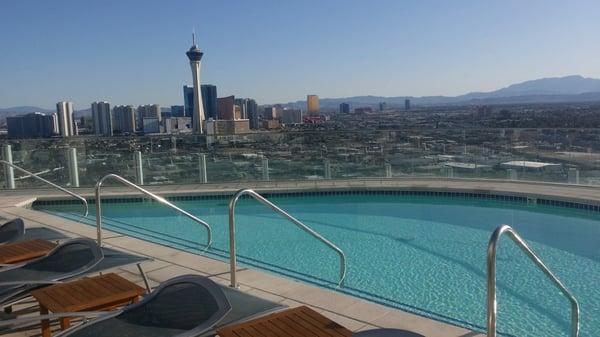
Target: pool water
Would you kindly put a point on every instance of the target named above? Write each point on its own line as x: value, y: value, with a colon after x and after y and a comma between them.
x: 426, y: 255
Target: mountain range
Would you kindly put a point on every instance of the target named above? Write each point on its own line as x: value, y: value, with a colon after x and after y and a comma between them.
x: 566, y: 89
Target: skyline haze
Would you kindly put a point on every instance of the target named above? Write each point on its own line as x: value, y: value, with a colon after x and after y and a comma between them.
x: 279, y: 52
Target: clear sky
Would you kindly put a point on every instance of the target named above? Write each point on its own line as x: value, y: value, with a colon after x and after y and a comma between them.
x: 133, y: 51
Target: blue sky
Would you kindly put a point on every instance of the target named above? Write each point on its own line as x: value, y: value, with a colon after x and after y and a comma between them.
x: 133, y: 52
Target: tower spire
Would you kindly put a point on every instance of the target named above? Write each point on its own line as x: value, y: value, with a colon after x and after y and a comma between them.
x: 193, y: 36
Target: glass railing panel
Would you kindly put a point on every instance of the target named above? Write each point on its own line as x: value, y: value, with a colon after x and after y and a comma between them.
x: 547, y: 155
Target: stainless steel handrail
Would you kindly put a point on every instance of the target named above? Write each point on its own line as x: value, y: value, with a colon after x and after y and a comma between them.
x: 62, y: 189
x: 262, y: 200
x: 491, y: 279
x: 147, y: 193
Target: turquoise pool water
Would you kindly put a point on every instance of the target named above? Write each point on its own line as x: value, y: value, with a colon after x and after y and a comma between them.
x: 422, y: 254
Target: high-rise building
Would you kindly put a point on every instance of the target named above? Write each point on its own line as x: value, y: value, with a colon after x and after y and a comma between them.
x: 209, y: 99
x: 150, y: 111
x: 102, y: 119
x: 188, y: 99
x: 241, y: 103
x: 32, y: 125
x: 177, y: 111
x: 253, y: 116
x: 226, y: 106
x: 124, y: 118
x: 382, y: 106
x: 312, y: 105
x: 151, y: 125
x: 291, y: 116
x: 195, y: 56
x: 407, y: 104
x: 344, y: 108
x: 269, y: 113
x: 64, y: 112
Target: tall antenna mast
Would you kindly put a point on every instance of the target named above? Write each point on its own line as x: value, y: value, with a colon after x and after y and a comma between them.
x: 193, y: 36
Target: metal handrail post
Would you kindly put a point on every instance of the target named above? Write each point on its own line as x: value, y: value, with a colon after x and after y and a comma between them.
x: 34, y: 176
x: 147, y: 193
x: 232, y: 254
x: 491, y: 279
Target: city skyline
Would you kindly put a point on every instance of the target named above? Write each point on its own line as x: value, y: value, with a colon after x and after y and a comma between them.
x: 387, y: 49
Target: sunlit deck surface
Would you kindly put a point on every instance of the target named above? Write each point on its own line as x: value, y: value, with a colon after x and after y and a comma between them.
x: 354, y: 313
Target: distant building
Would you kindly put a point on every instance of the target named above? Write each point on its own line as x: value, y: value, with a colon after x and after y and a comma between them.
x: 177, y: 125
x: 177, y: 111
x: 242, y: 108
x: 209, y: 99
x: 227, y: 127
x: 345, y: 108
x: 269, y: 113
x: 64, y: 112
x: 313, y: 119
x: 188, y: 100
x: 271, y: 124
x: 237, y: 112
x: 312, y: 105
x: 151, y: 125
x: 363, y: 110
x: 102, y: 119
x: 291, y: 116
x: 124, y: 119
x: 32, y: 125
x: 226, y: 107
x: 150, y: 111
x: 253, y: 116
x: 382, y: 106
x: 407, y: 104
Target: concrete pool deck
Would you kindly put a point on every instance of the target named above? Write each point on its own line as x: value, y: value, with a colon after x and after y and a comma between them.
x: 354, y: 313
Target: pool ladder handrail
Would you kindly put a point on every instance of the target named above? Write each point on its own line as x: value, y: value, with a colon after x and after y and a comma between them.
x: 491, y: 279
x: 232, y: 255
x: 62, y: 189
x: 151, y: 195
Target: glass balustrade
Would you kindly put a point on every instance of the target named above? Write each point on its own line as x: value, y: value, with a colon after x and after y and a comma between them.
x: 548, y: 155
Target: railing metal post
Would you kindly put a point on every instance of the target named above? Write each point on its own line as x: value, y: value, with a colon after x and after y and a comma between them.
x: 9, y: 173
x: 573, y: 176
x: 73, y: 168
x: 327, y: 165
x: 388, y: 170
x: 512, y: 174
x: 139, y: 170
x: 265, y: 168
x: 202, y: 168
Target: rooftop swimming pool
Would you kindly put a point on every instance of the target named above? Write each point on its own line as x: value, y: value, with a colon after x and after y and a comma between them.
x: 420, y: 252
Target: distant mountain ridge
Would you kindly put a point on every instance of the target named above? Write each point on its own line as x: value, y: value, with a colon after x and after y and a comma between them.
x: 566, y: 89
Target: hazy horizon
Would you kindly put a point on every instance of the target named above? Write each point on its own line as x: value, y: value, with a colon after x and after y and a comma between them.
x: 134, y: 52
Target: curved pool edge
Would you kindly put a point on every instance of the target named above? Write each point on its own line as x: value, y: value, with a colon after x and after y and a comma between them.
x: 532, y: 189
